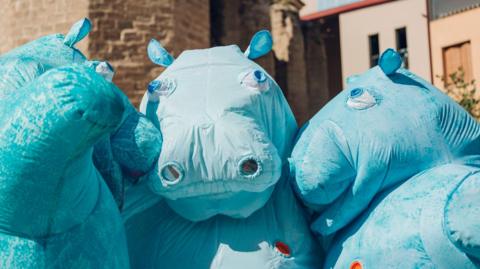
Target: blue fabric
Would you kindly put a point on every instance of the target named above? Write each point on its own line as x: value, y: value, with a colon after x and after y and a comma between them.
x: 128, y: 153
x: 260, y: 45
x: 390, y: 61
x: 386, y: 128
x: 219, y: 196
x: 55, y: 209
x: 158, y: 54
x: 77, y: 32
x: 231, y: 116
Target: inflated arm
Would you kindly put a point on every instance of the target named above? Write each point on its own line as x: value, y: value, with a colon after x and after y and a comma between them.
x: 462, y: 216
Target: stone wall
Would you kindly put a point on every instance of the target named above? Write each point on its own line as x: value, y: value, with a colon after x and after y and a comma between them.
x: 24, y: 20
x: 322, y: 56
x: 121, y: 31
x: 289, y: 50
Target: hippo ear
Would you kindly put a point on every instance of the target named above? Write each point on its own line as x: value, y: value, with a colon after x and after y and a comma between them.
x: 78, y: 31
x: 390, y: 61
x: 260, y: 45
x: 158, y: 54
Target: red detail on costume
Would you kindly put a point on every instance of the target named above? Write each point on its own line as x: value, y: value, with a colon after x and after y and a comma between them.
x: 356, y: 265
x: 282, y: 248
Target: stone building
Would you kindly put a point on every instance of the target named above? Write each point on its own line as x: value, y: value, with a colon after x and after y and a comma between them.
x: 122, y: 29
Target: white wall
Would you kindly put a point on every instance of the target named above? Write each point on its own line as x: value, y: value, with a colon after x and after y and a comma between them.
x: 357, y: 25
x: 452, y: 30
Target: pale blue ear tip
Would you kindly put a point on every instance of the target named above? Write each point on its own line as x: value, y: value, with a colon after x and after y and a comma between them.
x: 264, y: 34
x: 158, y: 54
x: 85, y: 22
x: 77, y: 32
x: 390, y: 61
x: 260, y: 44
x: 154, y: 42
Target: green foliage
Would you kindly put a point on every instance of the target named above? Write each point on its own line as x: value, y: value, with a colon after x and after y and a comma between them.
x: 462, y: 91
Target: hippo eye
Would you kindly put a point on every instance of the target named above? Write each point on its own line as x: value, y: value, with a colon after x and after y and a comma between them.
x: 249, y: 167
x: 360, y: 99
x: 255, y: 80
x: 171, y: 173
x: 160, y: 87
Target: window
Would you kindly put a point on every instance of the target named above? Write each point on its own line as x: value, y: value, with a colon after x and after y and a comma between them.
x: 402, y: 46
x: 455, y: 57
x: 374, y: 49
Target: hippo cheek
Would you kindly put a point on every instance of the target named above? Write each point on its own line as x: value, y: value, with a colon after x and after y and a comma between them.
x: 321, y: 167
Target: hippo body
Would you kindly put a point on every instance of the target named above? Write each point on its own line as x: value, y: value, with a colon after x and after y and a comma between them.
x: 55, y: 209
x: 219, y: 196
x: 391, y: 166
x: 424, y: 230
x: 159, y: 237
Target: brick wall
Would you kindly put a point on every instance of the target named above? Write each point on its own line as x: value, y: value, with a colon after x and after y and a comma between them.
x: 122, y: 30
x: 191, y: 25
x: 120, y: 34
x: 24, y: 20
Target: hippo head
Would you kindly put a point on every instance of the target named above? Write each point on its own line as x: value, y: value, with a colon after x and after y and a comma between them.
x: 54, y: 106
x: 30, y: 60
x: 54, y: 50
x: 226, y: 129
x: 386, y: 126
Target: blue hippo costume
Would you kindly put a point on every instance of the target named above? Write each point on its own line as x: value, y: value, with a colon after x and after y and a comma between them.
x: 391, y: 166
x: 55, y: 208
x: 219, y: 196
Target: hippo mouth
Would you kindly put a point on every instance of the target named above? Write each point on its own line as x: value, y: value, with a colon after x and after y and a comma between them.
x: 239, y: 204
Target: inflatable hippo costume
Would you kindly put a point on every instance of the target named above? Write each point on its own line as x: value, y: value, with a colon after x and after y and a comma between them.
x: 219, y: 196
x: 393, y: 147
x: 55, y: 209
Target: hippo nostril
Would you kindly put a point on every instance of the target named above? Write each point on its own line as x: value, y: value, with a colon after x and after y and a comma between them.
x: 249, y: 167
x: 171, y: 173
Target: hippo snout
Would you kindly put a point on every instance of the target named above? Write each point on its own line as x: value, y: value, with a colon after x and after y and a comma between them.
x: 233, y: 178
